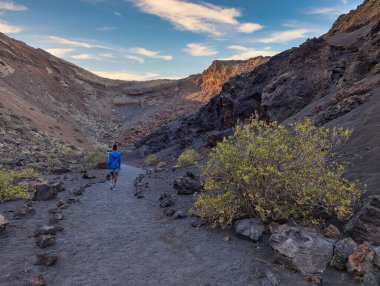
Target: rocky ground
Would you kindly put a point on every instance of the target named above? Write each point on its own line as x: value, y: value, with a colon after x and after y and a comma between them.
x: 143, y: 234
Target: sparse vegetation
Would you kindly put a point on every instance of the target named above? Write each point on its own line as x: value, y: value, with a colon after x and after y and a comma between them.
x: 161, y: 165
x: 151, y: 160
x: 268, y: 171
x: 95, y: 156
x: 188, y: 158
x: 10, y: 191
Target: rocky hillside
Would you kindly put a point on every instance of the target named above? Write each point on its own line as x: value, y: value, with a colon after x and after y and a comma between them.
x: 334, y: 79
x: 148, y: 105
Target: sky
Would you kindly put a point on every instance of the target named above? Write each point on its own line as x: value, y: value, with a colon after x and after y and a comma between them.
x: 151, y: 39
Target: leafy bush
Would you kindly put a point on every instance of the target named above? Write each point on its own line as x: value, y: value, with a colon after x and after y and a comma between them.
x: 272, y: 172
x: 95, y: 156
x: 151, y: 160
x: 10, y: 191
x: 161, y: 165
x: 188, y: 158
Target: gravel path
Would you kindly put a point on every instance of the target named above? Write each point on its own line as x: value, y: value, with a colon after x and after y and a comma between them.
x: 113, y: 238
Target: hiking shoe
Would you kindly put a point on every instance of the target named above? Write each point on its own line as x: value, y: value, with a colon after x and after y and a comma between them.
x: 114, y: 188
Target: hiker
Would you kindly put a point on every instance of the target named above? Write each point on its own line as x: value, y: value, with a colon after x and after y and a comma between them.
x: 114, y: 163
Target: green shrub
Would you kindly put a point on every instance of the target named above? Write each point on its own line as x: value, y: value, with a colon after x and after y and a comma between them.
x: 10, y: 191
x: 95, y: 156
x: 161, y: 165
x: 188, y: 158
x: 268, y: 171
x: 151, y: 160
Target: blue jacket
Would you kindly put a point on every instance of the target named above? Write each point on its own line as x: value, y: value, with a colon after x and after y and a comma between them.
x: 114, y: 160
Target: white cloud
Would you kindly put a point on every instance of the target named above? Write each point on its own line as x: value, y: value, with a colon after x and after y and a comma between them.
x: 9, y: 5
x: 107, y: 55
x: 284, y: 36
x: 150, y: 54
x: 83, y: 57
x: 197, y: 17
x: 332, y: 11
x: 97, y: 57
x: 200, y: 50
x: 105, y: 29
x: 118, y: 14
x: 59, y: 52
x: 74, y: 43
x: 126, y: 75
x: 135, y: 58
x: 345, y: 2
x: 249, y: 27
x: 9, y: 29
x: 247, y: 53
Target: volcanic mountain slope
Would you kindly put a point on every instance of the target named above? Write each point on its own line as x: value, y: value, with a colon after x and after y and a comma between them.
x: 148, y: 105
x: 334, y: 79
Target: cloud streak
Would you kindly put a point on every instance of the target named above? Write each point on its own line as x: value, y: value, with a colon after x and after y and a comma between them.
x: 74, y: 43
x: 245, y: 53
x: 9, y: 29
x: 150, y: 54
x: 135, y: 58
x: 126, y: 75
x: 59, y: 52
x: 199, y: 50
x: 284, y: 36
x: 197, y: 17
x: 10, y: 6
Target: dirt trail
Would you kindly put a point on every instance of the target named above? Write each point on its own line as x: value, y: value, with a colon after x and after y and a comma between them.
x: 112, y: 238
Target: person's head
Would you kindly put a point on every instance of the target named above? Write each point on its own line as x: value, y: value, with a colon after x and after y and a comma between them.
x: 114, y: 147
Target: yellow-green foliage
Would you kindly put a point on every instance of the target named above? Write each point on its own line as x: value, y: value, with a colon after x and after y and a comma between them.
x: 272, y: 172
x: 188, y: 158
x: 10, y: 191
x: 161, y: 165
x: 151, y: 160
x: 95, y: 156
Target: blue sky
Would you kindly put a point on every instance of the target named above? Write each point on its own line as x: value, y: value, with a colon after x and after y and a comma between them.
x: 150, y: 39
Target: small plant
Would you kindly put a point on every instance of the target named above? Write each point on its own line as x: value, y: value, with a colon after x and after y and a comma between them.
x: 10, y: 191
x: 161, y: 165
x: 151, y: 160
x: 188, y: 158
x: 95, y: 156
x: 22, y: 130
x: 272, y: 172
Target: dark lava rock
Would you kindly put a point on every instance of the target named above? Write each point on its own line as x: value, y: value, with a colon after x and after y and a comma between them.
x: 57, y: 187
x: 178, y: 215
x: 25, y: 210
x: 101, y: 165
x: 361, y: 261
x: 46, y: 259
x: 48, y: 230
x: 44, y: 241
x: 197, y: 222
x: 217, y: 136
x: 61, y: 170
x: 3, y: 223
x: 365, y: 225
x: 188, y: 184
x: 250, y: 228
x: 169, y: 212
x: 369, y: 279
x: 377, y: 256
x: 166, y: 203
x: 88, y: 177
x: 44, y: 192
x: 302, y: 250
x: 37, y: 280
x: 332, y: 232
x: 164, y: 196
x: 343, y: 249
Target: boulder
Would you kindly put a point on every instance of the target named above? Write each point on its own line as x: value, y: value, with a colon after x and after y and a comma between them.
x: 369, y: 279
x: 343, y: 249
x: 361, y: 261
x: 304, y: 251
x: 48, y: 230
x: 24, y: 210
x: 37, y: 280
x: 46, y: 259
x: 61, y: 170
x: 57, y: 187
x: 377, y: 256
x: 101, y: 165
x: 169, y: 212
x: 197, y: 222
x: 189, y: 184
x: 178, y: 215
x: 3, y: 223
x: 250, y: 228
x: 166, y: 203
x: 332, y: 232
x: 44, y: 241
x: 44, y: 192
x: 365, y: 225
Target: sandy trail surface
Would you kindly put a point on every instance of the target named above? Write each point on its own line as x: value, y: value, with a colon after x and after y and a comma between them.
x: 113, y: 238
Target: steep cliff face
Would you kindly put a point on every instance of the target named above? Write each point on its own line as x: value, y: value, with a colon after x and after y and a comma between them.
x: 328, y: 79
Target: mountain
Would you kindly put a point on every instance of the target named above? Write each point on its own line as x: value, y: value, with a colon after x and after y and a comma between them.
x: 47, y: 103
x: 334, y: 79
